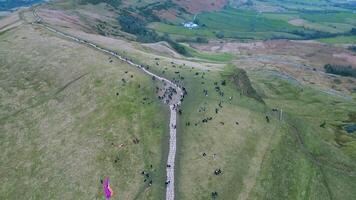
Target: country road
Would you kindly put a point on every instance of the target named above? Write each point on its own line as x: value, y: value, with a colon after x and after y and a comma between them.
x: 170, y: 194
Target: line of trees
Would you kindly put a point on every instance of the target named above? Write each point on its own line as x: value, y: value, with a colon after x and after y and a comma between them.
x: 320, y: 34
x: 113, y: 3
x: 137, y: 27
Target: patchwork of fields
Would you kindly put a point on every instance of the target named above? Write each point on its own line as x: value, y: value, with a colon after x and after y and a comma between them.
x: 245, y: 24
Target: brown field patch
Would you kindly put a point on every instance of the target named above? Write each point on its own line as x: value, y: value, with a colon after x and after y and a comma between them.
x: 347, y: 57
x: 197, y: 6
x: 302, y: 60
x: 316, y: 54
x: 61, y: 18
x: 297, y: 22
x: 163, y: 48
x: 9, y: 21
x: 166, y: 14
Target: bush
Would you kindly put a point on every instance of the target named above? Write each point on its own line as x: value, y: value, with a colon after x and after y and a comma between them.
x: 241, y: 80
x: 352, y: 48
x: 132, y: 24
x: 136, y: 26
x: 307, y: 34
x: 353, y: 31
x: 340, y: 70
x: 178, y: 47
x: 220, y: 35
x: 201, y: 40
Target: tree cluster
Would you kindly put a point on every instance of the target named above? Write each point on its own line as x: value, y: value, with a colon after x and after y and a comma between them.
x: 340, y: 70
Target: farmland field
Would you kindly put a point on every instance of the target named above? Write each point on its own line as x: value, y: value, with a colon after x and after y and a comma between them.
x: 233, y: 23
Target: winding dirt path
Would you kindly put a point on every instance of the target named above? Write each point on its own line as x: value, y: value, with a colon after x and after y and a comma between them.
x: 170, y: 195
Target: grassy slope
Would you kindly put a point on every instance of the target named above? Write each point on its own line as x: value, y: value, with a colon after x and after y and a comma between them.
x: 62, y: 122
x: 286, y: 168
x: 217, y: 57
x: 238, y: 148
x: 259, y: 160
x: 308, y: 162
x: 287, y: 171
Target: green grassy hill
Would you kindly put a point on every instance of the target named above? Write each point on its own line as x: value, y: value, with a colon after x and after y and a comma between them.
x: 71, y: 116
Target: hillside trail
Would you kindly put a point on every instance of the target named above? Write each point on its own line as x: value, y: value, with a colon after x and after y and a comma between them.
x: 173, y: 104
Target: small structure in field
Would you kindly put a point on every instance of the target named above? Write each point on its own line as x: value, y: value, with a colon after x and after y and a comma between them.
x: 190, y: 25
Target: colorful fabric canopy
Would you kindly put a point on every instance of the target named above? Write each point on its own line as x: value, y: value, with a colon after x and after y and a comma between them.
x: 107, y: 189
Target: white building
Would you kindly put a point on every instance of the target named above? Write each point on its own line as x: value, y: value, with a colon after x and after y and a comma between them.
x: 190, y: 25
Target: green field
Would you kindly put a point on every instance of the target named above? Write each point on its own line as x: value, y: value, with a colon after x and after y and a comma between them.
x: 180, y: 30
x: 307, y: 5
x: 205, y: 32
x: 243, y: 21
x: 329, y: 24
x: 340, y: 40
x: 332, y: 17
x: 232, y: 23
x: 218, y: 57
x: 248, y: 24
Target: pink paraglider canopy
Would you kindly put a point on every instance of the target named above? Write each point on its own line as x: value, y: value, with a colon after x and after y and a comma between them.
x: 108, y: 191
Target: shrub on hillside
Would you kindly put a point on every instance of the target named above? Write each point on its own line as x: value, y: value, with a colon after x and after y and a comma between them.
x: 201, y: 40
x: 179, y: 48
x: 220, y: 35
x: 340, y: 70
x: 352, y: 48
x: 242, y: 82
x: 136, y: 26
x: 353, y: 31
